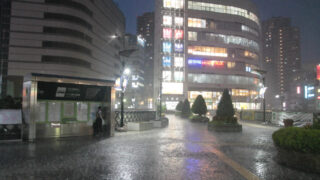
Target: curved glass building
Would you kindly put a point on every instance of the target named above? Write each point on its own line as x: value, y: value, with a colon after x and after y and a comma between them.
x: 205, y: 46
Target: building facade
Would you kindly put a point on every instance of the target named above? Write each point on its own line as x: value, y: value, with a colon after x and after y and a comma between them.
x: 281, y: 59
x: 203, y: 47
x: 145, y: 28
x: 67, y: 38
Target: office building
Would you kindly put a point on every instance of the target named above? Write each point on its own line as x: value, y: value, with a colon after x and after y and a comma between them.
x: 203, y: 47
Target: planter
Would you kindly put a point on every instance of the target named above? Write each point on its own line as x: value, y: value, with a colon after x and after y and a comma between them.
x: 225, y: 127
x: 288, y: 122
x: 198, y: 119
x: 303, y: 161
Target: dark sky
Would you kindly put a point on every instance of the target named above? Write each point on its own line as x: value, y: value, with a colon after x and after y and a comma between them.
x: 304, y: 13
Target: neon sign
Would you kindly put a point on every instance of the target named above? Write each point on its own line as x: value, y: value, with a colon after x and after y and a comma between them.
x: 309, y: 92
x: 178, y: 47
x: 178, y: 34
x: 166, y: 47
x: 166, y: 61
x: 206, y: 63
x: 167, y: 33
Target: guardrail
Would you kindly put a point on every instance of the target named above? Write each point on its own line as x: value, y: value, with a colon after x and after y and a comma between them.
x: 135, y: 116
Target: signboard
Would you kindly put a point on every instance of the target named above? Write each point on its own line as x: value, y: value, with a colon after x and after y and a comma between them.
x: 166, y: 61
x: 178, y: 34
x: 78, y: 92
x: 167, y: 33
x: 166, y: 47
x: 172, y: 88
x: 318, y: 72
x: 206, y: 63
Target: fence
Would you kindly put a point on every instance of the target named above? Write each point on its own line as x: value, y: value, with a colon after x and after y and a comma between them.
x: 135, y: 116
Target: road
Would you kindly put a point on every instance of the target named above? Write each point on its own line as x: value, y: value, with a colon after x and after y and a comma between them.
x: 183, y: 150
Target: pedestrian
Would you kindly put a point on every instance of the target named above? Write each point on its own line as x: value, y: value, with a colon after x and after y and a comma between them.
x: 98, y: 122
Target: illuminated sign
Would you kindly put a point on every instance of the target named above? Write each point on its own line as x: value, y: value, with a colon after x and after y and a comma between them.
x: 166, y: 61
x: 178, y: 21
x: 318, y: 72
x: 178, y: 34
x: 198, y: 23
x: 166, y: 47
x: 178, y: 76
x: 178, y: 62
x: 167, y: 33
x: 176, y: 4
x: 207, y: 51
x: 206, y: 63
x: 172, y: 88
x: 141, y: 41
x: 308, y: 92
x: 166, y: 75
x: 167, y: 20
x: 178, y: 47
x: 298, y: 90
x: 117, y: 85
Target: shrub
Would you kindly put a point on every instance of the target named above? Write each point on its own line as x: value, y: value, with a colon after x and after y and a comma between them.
x: 225, y: 107
x: 186, y: 112
x: 199, y: 106
x: 298, y: 139
x: 196, y: 118
x: 179, y: 106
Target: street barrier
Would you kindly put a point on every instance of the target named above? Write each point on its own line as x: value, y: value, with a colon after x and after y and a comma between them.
x: 135, y: 116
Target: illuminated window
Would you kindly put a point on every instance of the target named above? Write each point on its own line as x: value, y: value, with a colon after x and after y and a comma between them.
x: 248, y: 69
x: 218, y: 8
x: 178, y: 21
x: 208, y: 51
x: 167, y: 33
x: 178, y: 47
x: 250, y: 30
x: 240, y: 92
x: 166, y: 61
x: 231, y: 65
x: 251, y: 55
x: 206, y: 63
x: 172, y: 88
x: 178, y: 34
x: 198, y: 23
x: 178, y: 76
x: 166, y: 75
x: 167, y: 47
x: 192, y: 36
x: 167, y: 20
x: 176, y: 4
x: 178, y: 62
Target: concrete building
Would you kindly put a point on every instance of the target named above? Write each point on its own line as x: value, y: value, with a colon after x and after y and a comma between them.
x: 281, y: 59
x: 67, y: 38
x: 203, y: 47
x: 145, y: 28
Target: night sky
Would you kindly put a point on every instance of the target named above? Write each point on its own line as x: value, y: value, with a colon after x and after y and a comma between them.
x: 304, y: 13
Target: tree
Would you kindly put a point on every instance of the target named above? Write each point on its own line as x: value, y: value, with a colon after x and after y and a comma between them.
x: 186, y: 109
x: 225, y: 107
x: 199, y: 106
x: 179, y: 106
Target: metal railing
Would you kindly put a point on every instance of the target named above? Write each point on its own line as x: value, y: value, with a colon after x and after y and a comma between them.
x: 135, y: 116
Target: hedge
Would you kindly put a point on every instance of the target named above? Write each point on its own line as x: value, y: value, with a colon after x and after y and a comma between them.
x: 298, y: 139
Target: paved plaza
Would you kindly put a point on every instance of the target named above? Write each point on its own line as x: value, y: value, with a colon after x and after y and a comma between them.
x: 184, y: 150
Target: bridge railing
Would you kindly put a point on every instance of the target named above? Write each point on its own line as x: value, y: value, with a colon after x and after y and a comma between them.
x: 135, y: 116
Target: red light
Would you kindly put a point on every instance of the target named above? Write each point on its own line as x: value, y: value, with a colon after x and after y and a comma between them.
x: 212, y: 63
x: 318, y: 72
x: 318, y: 97
x: 178, y: 34
x: 167, y: 33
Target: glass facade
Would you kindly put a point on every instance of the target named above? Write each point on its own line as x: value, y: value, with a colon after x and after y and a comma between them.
x: 218, y: 8
x: 222, y: 79
x: 207, y: 51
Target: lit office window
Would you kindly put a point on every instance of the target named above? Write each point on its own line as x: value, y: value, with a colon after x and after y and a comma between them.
x: 166, y: 47
x: 178, y: 62
x: 198, y: 23
x: 178, y: 21
x: 208, y: 51
x: 166, y: 75
x: 176, y: 4
x: 250, y: 30
x: 192, y: 36
x: 240, y: 92
x: 166, y: 61
x: 178, y: 76
x: 250, y: 55
x: 231, y: 65
x: 167, y: 20
x: 167, y: 33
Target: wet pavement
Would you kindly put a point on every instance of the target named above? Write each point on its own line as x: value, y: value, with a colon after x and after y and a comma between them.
x: 184, y: 150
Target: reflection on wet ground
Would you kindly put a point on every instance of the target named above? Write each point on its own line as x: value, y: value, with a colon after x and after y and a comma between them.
x: 184, y: 150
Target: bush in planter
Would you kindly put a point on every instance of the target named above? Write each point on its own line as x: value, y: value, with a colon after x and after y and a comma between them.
x: 179, y: 106
x: 298, y: 139
x: 197, y: 118
x: 186, y: 112
x: 199, y: 106
x: 225, y: 107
